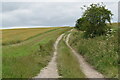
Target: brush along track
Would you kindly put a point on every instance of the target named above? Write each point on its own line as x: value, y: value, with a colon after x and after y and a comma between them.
x: 87, y: 69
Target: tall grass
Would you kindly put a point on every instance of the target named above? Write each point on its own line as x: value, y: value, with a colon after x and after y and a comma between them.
x: 101, y: 52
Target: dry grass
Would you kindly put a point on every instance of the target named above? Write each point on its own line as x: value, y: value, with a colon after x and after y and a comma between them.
x: 10, y: 36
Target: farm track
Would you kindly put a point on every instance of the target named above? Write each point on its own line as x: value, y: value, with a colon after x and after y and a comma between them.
x: 51, y: 71
x: 87, y: 69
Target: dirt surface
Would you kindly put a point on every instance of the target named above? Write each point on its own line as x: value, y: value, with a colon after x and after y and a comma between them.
x: 87, y: 69
x: 51, y: 71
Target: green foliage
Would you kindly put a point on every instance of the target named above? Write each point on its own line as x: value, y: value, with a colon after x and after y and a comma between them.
x: 94, y: 19
x: 79, y: 24
x: 101, y: 51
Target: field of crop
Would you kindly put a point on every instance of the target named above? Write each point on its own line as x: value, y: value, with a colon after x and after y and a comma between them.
x: 27, y: 59
x: 12, y: 36
x: 101, y: 52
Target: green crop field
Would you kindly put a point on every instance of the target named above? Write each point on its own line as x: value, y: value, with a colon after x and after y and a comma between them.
x: 27, y: 58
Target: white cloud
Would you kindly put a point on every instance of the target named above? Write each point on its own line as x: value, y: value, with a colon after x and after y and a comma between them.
x: 45, y: 13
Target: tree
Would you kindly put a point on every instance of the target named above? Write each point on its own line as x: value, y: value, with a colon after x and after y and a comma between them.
x: 79, y: 24
x: 94, y: 20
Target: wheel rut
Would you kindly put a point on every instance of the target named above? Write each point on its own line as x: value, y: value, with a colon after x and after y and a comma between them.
x: 51, y: 71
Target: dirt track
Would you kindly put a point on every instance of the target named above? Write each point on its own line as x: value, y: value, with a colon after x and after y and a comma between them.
x: 51, y: 71
x: 87, y: 69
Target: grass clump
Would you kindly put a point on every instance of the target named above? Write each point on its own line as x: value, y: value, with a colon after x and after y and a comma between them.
x: 68, y: 65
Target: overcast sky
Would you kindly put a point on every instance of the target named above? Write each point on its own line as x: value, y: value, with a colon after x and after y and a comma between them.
x: 27, y: 14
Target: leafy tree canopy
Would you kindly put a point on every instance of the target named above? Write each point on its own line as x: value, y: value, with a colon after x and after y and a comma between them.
x: 94, y: 20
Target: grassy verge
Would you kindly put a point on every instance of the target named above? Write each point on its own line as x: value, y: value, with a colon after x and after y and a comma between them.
x: 27, y: 66
x: 68, y: 65
x: 26, y: 60
x: 101, y: 52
